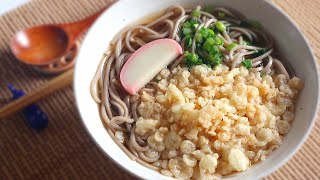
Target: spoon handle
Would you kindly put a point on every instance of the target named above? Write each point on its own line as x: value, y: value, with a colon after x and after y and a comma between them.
x: 74, y: 30
x: 53, y: 85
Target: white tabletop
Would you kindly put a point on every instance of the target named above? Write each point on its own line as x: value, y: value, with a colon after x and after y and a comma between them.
x: 7, y: 5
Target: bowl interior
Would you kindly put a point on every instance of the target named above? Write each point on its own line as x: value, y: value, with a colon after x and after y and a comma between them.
x: 288, y: 39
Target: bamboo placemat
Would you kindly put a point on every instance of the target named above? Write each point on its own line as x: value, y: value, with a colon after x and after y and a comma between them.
x: 65, y: 150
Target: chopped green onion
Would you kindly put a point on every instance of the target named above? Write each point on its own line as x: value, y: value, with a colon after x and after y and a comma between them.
x: 220, y: 26
x: 214, y: 59
x: 247, y: 63
x: 221, y: 14
x: 192, y: 59
x: 196, y: 14
x: 207, y: 46
x: 193, y: 21
x: 219, y: 41
x: 251, y: 24
x: 211, y: 44
x: 210, y: 32
x: 204, y: 32
x: 186, y: 25
x: 191, y: 24
x: 212, y: 49
x: 198, y: 37
x: 260, y: 52
x: 248, y: 43
x: 187, y: 31
x: 215, y: 49
x: 263, y: 74
x: 231, y: 46
x: 188, y: 41
x: 211, y: 41
x: 195, y: 25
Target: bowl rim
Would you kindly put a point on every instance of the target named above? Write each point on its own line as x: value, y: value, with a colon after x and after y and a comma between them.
x: 316, y: 110
x: 269, y: 170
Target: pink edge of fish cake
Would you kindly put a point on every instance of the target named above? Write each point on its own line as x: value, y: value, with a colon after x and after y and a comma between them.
x: 133, y: 89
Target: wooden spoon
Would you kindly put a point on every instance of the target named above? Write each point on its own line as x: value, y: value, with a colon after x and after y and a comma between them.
x: 42, y: 45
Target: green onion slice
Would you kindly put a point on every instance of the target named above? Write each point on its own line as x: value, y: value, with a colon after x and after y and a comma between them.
x: 220, y: 26
x: 247, y: 63
x: 221, y: 15
x: 231, y: 46
x: 196, y: 14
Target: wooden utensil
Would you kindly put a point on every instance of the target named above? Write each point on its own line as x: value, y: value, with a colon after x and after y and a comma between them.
x: 42, y: 45
x: 55, y: 84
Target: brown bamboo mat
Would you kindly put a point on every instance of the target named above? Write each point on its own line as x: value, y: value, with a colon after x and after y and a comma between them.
x: 65, y: 150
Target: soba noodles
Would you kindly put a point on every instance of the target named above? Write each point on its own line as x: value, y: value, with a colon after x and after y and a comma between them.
x: 242, y: 42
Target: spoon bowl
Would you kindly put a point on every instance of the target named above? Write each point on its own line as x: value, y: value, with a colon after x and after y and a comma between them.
x: 43, y: 45
x: 40, y: 45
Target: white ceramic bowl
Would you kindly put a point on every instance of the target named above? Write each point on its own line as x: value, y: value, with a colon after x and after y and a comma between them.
x: 289, y: 41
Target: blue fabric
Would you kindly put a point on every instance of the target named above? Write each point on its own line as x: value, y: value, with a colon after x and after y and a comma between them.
x: 35, y: 117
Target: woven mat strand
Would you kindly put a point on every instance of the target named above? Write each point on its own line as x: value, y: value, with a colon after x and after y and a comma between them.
x: 65, y: 150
